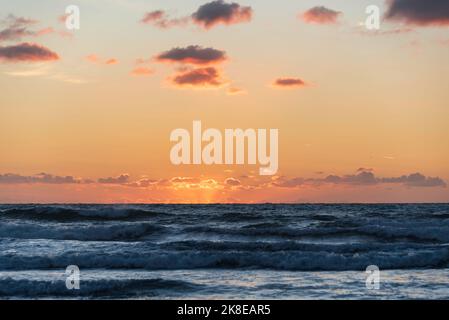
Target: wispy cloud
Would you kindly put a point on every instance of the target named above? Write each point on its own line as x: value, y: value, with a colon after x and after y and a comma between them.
x: 233, y: 91
x: 93, y: 58
x: 17, y: 28
x: 142, y: 71
x: 161, y: 19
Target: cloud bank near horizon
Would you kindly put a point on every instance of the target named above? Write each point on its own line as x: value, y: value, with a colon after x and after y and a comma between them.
x: 362, y: 177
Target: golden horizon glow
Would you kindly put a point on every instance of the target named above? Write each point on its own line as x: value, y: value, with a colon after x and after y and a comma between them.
x: 370, y: 109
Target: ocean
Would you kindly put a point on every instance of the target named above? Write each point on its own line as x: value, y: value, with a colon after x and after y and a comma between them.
x: 264, y: 251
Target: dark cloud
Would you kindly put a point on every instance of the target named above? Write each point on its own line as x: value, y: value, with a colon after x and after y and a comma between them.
x: 416, y: 180
x: 232, y: 182
x: 419, y: 12
x: 121, y: 179
x: 38, y: 178
x: 288, y: 183
x: 220, y: 12
x: 202, y: 77
x: 192, y: 55
x: 362, y: 169
x: 27, y: 52
x: 363, y: 178
x: 160, y: 19
x: 289, y: 83
x: 320, y: 15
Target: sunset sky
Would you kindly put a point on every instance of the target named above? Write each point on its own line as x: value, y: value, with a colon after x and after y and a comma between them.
x: 86, y: 115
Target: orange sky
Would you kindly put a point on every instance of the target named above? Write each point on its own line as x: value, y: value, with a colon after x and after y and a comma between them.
x: 362, y: 115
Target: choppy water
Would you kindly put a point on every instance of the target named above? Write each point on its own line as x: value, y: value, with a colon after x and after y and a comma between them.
x: 224, y: 251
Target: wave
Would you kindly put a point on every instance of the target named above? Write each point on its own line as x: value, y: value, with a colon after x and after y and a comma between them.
x: 414, y: 232
x: 259, y: 246
x: 312, y: 258
x: 82, y: 232
x: 91, y: 288
x: 386, y: 231
x: 192, y: 237
x: 82, y: 213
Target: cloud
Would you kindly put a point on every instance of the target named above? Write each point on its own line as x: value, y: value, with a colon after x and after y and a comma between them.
x: 67, y: 78
x: 121, y: 179
x: 141, y: 71
x: 362, y: 169
x: 416, y: 180
x: 388, y: 32
x: 190, y: 183
x: 19, y: 27
x: 201, y: 77
x: 63, y: 18
x: 288, y: 183
x: 152, y: 16
x: 45, y: 71
x: 192, y: 55
x: 160, y: 19
x: 143, y: 183
x: 27, y: 52
x: 17, y: 22
x: 320, y: 15
x: 232, y: 182
x: 140, y: 68
x: 419, y: 12
x: 10, y: 178
x: 111, y: 61
x: 98, y: 60
x: 233, y: 91
x: 220, y: 12
x: 142, y: 61
x: 92, y: 58
x: 363, y: 178
x: 184, y: 180
x: 360, y: 179
x: 14, y: 34
x: 289, y: 83
x: 32, y: 72
x: 205, y: 76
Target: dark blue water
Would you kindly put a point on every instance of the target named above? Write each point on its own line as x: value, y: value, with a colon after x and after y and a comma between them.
x: 224, y: 251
